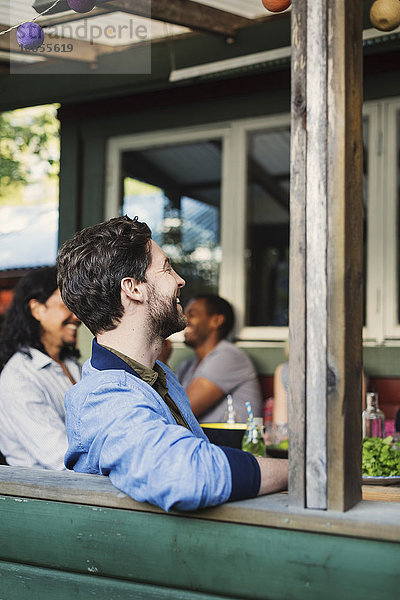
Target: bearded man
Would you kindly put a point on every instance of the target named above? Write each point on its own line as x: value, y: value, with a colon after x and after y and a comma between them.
x: 129, y: 418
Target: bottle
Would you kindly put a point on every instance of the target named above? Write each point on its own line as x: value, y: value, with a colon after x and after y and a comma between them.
x: 373, y: 419
x: 230, y: 413
x: 253, y: 439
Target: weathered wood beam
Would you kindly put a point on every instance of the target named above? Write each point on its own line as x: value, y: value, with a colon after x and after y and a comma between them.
x: 326, y: 254
x: 297, y: 273
x: 345, y: 252
x: 59, y: 19
x: 178, y: 12
x: 183, y: 12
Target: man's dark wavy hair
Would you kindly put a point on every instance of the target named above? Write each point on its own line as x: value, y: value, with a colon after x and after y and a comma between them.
x: 219, y: 306
x: 20, y: 330
x: 92, y: 264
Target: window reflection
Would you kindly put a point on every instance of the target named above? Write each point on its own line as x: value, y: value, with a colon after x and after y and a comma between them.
x: 268, y: 195
x: 176, y: 189
x: 397, y: 188
x: 365, y: 212
x: 268, y: 161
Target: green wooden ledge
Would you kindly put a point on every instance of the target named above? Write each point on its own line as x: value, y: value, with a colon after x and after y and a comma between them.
x: 66, y: 536
x: 369, y: 520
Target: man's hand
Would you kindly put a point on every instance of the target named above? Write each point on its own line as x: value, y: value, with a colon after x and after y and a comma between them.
x: 274, y: 475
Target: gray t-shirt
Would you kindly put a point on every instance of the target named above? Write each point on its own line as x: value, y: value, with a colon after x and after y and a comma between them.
x: 229, y: 368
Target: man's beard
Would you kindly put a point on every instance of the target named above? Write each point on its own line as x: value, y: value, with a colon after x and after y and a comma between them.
x: 165, y: 318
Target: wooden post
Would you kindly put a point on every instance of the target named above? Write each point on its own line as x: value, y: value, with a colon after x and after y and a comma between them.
x: 297, y: 287
x: 326, y: 254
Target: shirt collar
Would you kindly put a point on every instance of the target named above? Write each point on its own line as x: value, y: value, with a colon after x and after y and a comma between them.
x: 148, y: 375
x: 103, y: 360
x: 39, y: 359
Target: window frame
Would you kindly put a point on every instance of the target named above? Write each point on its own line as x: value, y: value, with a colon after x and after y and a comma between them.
x: 381, y: 326
x: 233, y: 135
x: 372, y: 331
x: 391, y: 147
x: 243, y: 128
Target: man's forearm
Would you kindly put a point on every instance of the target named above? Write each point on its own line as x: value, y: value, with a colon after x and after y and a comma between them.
x: 274, y: 475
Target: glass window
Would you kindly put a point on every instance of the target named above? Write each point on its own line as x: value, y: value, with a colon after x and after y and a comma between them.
x: 365, y: 212
x: 29, y: 165
x: 267, y: 267
x: 176, y: 189
x: 397, y: 201
x: 173, y: 180
x: 268, y: 196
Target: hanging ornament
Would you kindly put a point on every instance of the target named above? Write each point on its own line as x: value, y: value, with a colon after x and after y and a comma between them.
x: 24, y: 30
x: 81, y: 6
x: 385, y: 14
x: 30, y: 36
x: 276, y: 6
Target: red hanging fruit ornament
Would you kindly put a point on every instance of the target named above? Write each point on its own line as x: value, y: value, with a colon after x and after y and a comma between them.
x: 385, y: 14
x: 276, y: 6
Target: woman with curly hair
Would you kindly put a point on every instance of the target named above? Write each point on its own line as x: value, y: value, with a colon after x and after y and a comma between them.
x: 38, y: 364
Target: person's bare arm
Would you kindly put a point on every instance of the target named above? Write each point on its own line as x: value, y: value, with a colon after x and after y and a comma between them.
x: 203, y: 395
x: 274, y: 475
x: 280, y: 414
x: 364, y: 389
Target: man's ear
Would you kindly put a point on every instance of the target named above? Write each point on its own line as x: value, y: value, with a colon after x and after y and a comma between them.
x: 131, y: 289
x: 36, y: 308
x: 217, y: 320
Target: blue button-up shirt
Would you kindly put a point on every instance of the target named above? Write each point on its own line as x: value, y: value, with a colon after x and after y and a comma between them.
x: 119, y: 426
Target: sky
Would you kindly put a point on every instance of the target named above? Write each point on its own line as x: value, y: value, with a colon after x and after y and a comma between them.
x: 28, y: 235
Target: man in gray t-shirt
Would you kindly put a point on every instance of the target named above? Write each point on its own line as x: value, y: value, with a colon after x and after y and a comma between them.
x: 218, y: 367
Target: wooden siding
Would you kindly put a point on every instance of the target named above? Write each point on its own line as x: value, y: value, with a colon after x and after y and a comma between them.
x: 90, y: 540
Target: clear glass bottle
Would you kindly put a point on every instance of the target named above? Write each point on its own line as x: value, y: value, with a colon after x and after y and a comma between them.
x: 373, y: 419
x: 253, y: 439
x: 230, y: 413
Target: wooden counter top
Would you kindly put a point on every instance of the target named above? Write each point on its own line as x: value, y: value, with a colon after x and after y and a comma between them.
x: 381, y: 493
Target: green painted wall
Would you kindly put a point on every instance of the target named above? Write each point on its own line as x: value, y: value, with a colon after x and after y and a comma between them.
x: 382, y: 361
x: 65, y: 551
x: 265, y: 360
x: 23, y: 582
x: 378, y: 362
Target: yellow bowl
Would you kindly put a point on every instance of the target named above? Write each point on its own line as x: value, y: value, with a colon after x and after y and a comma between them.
x: 223, y: 426
x: 224, y: 434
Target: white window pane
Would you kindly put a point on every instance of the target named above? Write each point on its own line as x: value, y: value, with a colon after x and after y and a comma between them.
x: 397, y: 188
x: 268, y: 185
x: 176, y: 190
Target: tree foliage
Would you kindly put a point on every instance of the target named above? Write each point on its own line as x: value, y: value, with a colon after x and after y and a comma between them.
x: 29, y: 150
